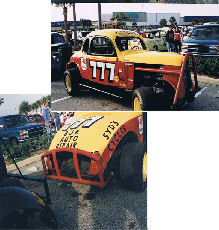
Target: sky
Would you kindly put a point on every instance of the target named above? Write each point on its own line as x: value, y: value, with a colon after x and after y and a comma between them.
x: 12, y: 102
x: 89, y: 10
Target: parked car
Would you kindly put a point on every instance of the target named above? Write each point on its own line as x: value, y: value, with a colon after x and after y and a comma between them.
x: 17, y: 128
x: 37, y: 118
x: 118, y: 61
x: 204, y: 41
x: 97, y: 146
x: 61, y: 51
x: 155, y: 39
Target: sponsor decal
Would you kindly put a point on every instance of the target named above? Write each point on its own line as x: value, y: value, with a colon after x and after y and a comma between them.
x: 140, y: 121
x: 116, y: 138
x: 110, y: 128
x: 84, y: 63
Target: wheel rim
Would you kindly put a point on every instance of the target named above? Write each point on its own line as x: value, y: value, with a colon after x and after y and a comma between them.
x: 144, y: 168
x: 68, y: 83
x: 137, y: 105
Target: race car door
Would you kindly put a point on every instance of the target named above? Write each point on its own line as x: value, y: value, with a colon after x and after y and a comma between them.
x: 99, y: 62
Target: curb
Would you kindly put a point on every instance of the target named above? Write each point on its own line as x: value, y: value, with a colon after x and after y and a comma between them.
x: 208, y: 80
x: 24, y: 163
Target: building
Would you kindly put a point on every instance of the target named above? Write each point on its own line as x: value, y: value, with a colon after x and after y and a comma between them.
x: 144, y: 18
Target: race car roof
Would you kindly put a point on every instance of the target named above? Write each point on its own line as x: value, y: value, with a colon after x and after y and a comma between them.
x: 113, y: 33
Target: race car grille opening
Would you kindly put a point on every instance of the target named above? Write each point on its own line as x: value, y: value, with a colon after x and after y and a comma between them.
x: 67, y: 166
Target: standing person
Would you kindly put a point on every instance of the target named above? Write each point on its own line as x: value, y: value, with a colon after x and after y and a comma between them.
x: 62, y: 119
x: 177, y: 41
x: 57, y: 121
x: 170, y: 39
x: 47, y: 118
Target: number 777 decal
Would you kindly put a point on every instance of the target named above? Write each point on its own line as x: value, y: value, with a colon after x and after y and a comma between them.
x: 103, y: 66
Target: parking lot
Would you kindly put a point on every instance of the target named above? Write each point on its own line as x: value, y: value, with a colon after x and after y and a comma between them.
x: 84, y: 207
x: 206, y: 99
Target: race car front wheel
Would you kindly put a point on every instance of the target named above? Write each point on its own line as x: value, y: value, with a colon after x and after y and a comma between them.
x: 71, y: 80
x: 143, y: 99
x: 133, y: 166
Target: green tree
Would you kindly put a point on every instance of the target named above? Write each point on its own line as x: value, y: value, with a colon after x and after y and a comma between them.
x: 1, y: 100
x: 172, y: 21
x: 163, y: 22
x: 34, y: 106
x: 134, y: 24
x: 24, y: 107
x: 85, y: 23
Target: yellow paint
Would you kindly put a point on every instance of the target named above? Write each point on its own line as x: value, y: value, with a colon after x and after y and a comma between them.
x: 144, y: 167
x: 91, y: 139
x: 68, y: 83
x: 39, y: 200
x: 116, y: 78
x: 134, y: 55
x: 150, y: 57
x: 137, y: 105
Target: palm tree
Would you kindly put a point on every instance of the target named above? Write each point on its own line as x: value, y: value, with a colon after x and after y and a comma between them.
x: 1, y: 100
x: 24, y: 107
x: 65, y: 13
x: 172, y: 21
x: 163, y: 22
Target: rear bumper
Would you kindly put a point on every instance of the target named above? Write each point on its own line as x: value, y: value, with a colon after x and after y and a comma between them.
x: 53, y: 166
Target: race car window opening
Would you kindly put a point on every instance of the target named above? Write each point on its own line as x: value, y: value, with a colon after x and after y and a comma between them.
x: 102, y: 46
x: 86, y: 46
x: 130, y: 43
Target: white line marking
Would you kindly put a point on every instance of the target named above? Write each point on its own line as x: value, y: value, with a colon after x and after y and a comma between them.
x: 61, y: 99
x: 200, y: 92
x: 101, y: 91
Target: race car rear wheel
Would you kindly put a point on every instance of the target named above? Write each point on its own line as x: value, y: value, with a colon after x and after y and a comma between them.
x: 71, y: 80
x: 133, y: 166
x: 143, y: 99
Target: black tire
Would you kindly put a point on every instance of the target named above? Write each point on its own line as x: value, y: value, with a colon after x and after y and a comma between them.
x: 71, y: 80
x: 48, y: 217
x: 145, y: 96
x: 155, y: 48
x: 131, y: 166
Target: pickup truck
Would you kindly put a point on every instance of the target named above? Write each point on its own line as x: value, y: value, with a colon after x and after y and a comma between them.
x: 17, y: 128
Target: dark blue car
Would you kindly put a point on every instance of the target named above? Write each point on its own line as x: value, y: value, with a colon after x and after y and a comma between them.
x: 204, y: 41
x: 17, y: 128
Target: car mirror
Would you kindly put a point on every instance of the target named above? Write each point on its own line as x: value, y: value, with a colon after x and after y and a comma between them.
x: 2, y: 127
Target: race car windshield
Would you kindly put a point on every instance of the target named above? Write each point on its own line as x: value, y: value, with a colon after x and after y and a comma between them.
x: 130, y: 43
x: 15, y: 121
x: 210, y: 32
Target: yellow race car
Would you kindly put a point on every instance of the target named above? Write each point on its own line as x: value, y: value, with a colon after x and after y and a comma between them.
x: 155, y: 39
x: 118, y: 61
x: 96, y: 146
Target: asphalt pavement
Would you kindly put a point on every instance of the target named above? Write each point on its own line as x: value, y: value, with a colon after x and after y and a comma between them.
x: 85, y: 207
x: 89, y: 100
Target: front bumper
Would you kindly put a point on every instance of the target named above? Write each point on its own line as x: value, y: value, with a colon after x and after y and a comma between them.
x: 74, y: 165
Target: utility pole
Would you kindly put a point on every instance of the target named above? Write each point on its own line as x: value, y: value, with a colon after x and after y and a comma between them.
x: 75, y: 26
x: 99, y: 16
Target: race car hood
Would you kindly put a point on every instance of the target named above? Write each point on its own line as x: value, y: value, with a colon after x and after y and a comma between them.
x: 91, y: 131
x: 147, y: 57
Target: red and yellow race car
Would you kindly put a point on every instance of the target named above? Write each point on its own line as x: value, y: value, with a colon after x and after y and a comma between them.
x: 96, y: 146
x: 118, y: 61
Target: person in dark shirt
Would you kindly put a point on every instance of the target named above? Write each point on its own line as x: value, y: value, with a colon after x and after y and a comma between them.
x: 170, y: 39
x: 177, y: 41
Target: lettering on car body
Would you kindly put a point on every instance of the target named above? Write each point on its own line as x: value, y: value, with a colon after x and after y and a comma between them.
x: 110, y: 127
x: 116, y: 138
